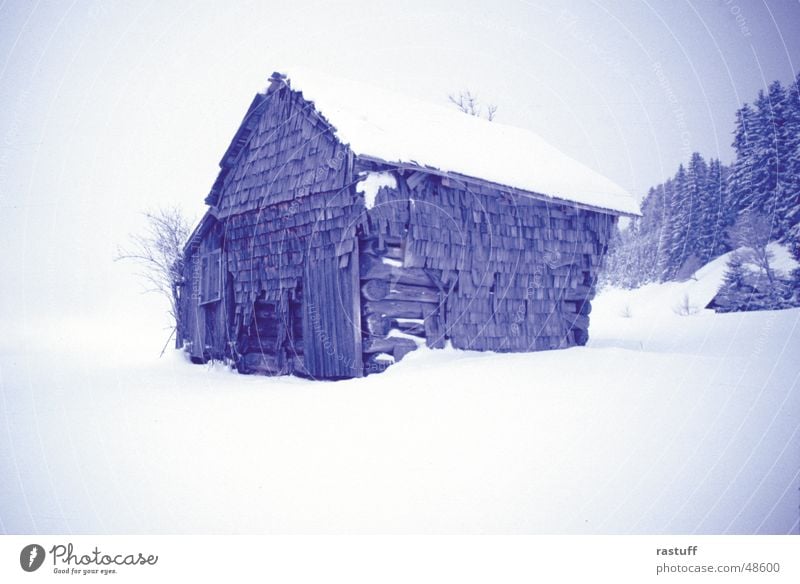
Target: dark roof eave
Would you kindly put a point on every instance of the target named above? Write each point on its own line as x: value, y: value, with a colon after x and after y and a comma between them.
x: 238, y: 142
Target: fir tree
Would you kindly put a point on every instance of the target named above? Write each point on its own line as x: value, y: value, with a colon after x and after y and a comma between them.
x: 679, y: 225
x: 740, y: 179
x: 698, y: 229
x: 793, y: 242
x: 767, y: 159
x: 728, y: 211
x: 660, y: 229
x: 734, y: 294
x: 704, y: 210
x: 717, y: 214
x: 788, y: 207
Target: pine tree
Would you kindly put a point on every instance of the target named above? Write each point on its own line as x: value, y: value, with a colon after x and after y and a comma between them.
x: 652, y: 210
x: 768, y: 156
x: 716, y: 216
x: 728, y: 211
x: 698, y: 230
x: 788, y: 208
x: 793, y: 242
x: 679, y: 225
x: 734, y: 294
x: 696, y: 215
x: 740, y: 179
x: 660, y: 229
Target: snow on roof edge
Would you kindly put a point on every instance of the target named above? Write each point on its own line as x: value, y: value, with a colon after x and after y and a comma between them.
x: 397, y: 129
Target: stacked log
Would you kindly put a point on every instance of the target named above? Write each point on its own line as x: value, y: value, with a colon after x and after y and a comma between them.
x: 395, y: 301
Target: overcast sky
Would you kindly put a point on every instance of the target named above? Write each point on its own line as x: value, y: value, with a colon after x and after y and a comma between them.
x: 112, y: 107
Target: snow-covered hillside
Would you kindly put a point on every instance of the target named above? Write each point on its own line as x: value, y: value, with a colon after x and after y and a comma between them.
x: 651, y: 315
x: 662, y: 424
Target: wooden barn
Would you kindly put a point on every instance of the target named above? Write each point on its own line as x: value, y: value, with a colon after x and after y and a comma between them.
x: 349, y: 226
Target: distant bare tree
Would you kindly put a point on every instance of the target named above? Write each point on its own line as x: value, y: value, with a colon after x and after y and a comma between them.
x: 159, y: 252
x: 469, y: 103
x: 753, y: 231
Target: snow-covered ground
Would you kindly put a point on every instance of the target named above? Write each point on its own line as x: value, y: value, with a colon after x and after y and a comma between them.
x: 662, y: 424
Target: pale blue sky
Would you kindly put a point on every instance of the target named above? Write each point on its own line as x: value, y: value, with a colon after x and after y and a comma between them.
x: 111, y: 107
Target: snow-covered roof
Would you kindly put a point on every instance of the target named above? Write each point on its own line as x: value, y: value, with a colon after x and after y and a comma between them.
x: 398, y: 129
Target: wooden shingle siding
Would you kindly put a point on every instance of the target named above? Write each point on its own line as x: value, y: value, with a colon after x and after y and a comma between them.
x: 504, y: 273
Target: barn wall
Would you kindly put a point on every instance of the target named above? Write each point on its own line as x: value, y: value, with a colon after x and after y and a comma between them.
x: 289, y: 218
x: 504, y: 273
x: 204, y: 327
x: 189, y: 325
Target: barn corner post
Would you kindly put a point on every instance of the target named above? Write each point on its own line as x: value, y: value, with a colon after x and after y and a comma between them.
x: 355, y: 265
x: 355, y: 298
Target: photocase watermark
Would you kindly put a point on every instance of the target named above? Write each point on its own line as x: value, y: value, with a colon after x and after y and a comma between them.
x: 741, y: 21
x: 550, y: 259
x: 67, y: 561
x: 677, y: 109
x: 570, y: 22
x: 196, y: 276
x: 31, y: 557
x: 333, y: 163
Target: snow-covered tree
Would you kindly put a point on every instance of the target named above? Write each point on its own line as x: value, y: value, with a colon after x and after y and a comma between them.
x: 679, y: 225
x: 698, y: 200
x: 720, y: 212
x: 707, y: 209
x: 735, y: 293
x: 788, y: 205
x: 744, y: 140
x: 752, y: 232
x: 793, y: 242
x: 765, y: 291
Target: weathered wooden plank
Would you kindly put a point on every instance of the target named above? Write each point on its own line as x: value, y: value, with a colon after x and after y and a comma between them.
x: 395, y: 309
x: 375, y: 290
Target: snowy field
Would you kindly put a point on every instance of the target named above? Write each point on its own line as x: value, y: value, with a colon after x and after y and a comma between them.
x: 663, y: 424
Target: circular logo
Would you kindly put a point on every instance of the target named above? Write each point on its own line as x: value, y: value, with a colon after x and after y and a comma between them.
x: 31, y: 557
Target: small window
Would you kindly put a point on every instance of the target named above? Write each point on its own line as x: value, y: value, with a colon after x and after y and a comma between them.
x: 211, y: 277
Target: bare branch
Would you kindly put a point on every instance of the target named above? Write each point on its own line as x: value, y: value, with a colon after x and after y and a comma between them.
x: 159, y: 253
x: 753, y: 231
x: 469, y: 103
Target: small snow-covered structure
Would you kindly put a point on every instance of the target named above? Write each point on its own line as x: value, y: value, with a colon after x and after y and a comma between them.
x: 348, y: 225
